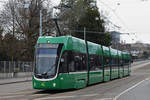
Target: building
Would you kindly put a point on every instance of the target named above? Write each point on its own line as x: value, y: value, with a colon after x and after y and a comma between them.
x: 139, y: 49
x: 115, y: 39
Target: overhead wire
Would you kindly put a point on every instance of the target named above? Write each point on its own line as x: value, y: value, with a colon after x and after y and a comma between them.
x: 122, y: 22
x: 118, y: 17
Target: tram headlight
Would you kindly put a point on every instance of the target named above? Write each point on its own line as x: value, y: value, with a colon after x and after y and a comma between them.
x: 54, y: 84
x: 48, y: 41
x: 43, y: 84
x: 34, y: 84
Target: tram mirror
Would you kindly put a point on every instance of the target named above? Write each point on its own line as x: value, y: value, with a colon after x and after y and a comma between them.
x: 62, y: 60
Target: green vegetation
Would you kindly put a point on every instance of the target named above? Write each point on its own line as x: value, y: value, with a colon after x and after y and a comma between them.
x: 20, y: 26
x: 84, y: 13
x: 146, y: 54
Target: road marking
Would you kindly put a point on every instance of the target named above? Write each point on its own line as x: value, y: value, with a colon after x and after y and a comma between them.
x: 116, y: 97
x: 65, y: 97
x: 89, y: 95
x: 105, y: 99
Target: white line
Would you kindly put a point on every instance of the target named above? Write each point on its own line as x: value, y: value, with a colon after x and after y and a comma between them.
x: 105, y: 99
x: 64, y: 97
x: 116, y: 97
x: 89, y: 95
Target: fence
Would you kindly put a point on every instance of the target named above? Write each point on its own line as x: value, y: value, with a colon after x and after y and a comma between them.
x: 15, y: 67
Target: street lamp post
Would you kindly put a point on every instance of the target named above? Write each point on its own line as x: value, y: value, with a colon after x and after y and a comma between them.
x: 40, y: 22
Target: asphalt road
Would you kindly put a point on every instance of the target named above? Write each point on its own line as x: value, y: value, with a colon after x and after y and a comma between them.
x: 134, y: 87
x: 141, y: 91
x: 15, y: 87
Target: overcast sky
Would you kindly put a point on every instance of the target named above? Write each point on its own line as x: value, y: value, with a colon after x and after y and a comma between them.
x: 132, y: 16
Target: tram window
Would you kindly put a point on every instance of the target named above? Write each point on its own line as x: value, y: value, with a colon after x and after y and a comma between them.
x: 100, y: 61
x: 79, y: 61
x: 92, y: 63
x: 84, y: 60
x: 63, y: 68
x: 95, y: 62
x: 114, y: 62
x: 126, y: 62
x: 117, y: 62
x: 106, y: 60
x: 121, y: 62
x: 71, y: 63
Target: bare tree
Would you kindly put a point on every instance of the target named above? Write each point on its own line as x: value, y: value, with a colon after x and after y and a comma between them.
x: 23, y: 23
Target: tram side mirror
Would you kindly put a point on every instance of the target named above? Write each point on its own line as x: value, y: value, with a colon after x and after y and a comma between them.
x: 62, y: 60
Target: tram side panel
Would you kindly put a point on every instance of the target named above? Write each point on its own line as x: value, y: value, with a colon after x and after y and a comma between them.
x: 106, y: 63
x: 76, y: 76
x: 96, y: 69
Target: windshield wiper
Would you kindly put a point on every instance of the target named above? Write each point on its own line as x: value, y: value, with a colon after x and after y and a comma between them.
x: 45, y: 73
x: 38, y: 75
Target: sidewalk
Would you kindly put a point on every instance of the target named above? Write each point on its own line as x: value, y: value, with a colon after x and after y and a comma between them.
x: 14, y: 80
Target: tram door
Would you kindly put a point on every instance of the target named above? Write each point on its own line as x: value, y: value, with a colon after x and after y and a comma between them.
x: 126, y: 67
x: 114, y: 65
x: 65, y: 80
x: 96, y: 69
x: 106, y: 61
x: 121, y: 68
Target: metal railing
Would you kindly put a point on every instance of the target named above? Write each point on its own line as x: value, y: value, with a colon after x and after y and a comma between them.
x: 12, y: 67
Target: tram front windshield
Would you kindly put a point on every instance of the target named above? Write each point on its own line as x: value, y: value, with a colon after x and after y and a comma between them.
x: 46, y: 61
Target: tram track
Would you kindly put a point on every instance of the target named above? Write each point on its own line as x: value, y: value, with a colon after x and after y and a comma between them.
x: 106, y: 89
x: 96, y: 92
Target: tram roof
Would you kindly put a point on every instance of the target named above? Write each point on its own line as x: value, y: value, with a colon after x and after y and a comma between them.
x: 73, y: 43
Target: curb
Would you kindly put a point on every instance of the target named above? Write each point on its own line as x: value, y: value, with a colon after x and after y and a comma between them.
x: 15, y: 82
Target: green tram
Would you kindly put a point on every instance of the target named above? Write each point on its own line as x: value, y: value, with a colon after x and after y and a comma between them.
x: 61, y: 63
